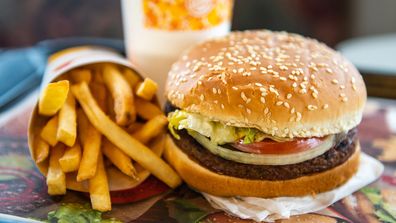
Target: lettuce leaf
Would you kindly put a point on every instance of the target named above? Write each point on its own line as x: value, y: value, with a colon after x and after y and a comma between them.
x: 185, y: 212
x: 216, y: 131
x: 383, y: 216
x: 373, y: 194
x: 384, y: 211
x: 250, y: 136
x: 77, y: 213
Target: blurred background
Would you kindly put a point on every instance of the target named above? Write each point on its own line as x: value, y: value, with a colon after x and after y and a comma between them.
x: 25, y: 22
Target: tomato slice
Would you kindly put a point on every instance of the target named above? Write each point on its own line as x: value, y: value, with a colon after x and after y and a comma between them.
x: 148, y: 188
x: 268, y: 146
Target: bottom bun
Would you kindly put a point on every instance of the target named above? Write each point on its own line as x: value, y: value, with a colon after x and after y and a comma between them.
x: 204, y: 180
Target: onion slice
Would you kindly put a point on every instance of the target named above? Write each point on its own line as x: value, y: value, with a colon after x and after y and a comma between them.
x: 264, y: 159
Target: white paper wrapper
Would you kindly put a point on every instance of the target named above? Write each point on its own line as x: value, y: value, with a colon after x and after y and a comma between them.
x: 260, y: 209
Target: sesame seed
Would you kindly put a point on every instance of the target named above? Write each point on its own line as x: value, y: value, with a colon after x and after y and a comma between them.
x: 279, y: 103
x: 201, y: 97
x: 302, y: 91
x: 312, y: 76
x: 246, y: 74
x: 288, y: 96
x: 214, y: 90
x: 266, y: 110
x: 299, y: 116
x: 342, y: 86
x: 334, y: 81
x: 294, y: 85
x: 312, y: 107
x: 283, y: 67
x: 273, y: 90
x: 234, y: 88
x: 262, y: 99
x: 218, y: 91
x: 325, y: 106
x: 248, y: 111
x: 353, y: 80
x: 354, y: 87
x: 222, y: 106
x: 243, y: 96
x: 216, y: 101
x: 328, y: 70
x: 292, y: 110
x: 314, y: 95
x: 344, y: 99
x: 283, y: 78
x: 322, y: 65
x: 286, y: 104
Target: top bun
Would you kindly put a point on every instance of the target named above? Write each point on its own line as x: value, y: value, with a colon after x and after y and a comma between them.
x: 284, y: 84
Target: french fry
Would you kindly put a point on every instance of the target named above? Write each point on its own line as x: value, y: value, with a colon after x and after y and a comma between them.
x: 146, y: 109
x: 80, y: 75
x: 122, y: 94
x: 71, y: 183
x: 110, y: 107
x: 146, y: 89
x: 48, y: 133
x: 120, y: 138
x: 82, y: 125
x: 67, y: 129
x: 132, y: 77
x: 53, y: 97
x: 98, y: 74
x: 99, y: 93
x: 118, y: 158
x: 157, y: 145
x: 41, y: 149
x: 151, y: 129
x: 132, y: 128
x: 91, y: 150
x: 99, y: 188
x: 70, y: 161
x: 56, y: 179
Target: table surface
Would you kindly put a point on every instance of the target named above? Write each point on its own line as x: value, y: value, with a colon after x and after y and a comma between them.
x: 23, y: 189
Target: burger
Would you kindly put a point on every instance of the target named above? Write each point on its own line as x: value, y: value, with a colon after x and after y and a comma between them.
x: 263, y: 114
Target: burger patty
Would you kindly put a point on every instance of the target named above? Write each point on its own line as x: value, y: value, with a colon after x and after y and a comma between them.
x: 343, y: 149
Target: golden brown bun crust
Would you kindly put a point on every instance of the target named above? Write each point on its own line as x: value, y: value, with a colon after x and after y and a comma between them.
x: 210, y: 182
x: 283, y: 84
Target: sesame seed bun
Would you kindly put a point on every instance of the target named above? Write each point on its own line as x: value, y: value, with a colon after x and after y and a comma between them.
x: 283, y: 84
x: 202, y: 179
